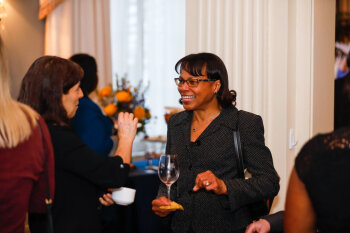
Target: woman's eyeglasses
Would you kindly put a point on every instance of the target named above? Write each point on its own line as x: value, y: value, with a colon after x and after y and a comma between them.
x: 192, y: 82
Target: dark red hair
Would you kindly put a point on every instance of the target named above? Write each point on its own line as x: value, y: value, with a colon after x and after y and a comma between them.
x: 47, y: 79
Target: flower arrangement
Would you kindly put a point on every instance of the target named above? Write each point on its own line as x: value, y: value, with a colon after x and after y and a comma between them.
x: 125, y: 99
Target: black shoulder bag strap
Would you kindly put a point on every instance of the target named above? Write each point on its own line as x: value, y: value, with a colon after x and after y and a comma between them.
x: 238, y: 149
x: 48, y: 200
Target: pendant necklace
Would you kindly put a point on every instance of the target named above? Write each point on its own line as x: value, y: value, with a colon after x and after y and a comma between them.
x: 194, y: 129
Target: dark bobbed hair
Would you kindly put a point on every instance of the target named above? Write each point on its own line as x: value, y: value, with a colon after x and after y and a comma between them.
x: 46, y: 80
x: 90, y: 79
x: 215, y: 69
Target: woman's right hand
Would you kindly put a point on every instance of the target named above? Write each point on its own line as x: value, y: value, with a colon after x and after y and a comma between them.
x: 162, y: 201
x: 127, y: 126
x: 261, y: 226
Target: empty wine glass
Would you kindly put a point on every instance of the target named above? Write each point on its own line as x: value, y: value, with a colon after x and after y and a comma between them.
x: 149, y: 157
x: 168, y: 170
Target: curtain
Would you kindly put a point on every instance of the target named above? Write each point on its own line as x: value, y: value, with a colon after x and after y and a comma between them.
x: 81, y: 26
x: 235, y: 30
x: 148, y: 38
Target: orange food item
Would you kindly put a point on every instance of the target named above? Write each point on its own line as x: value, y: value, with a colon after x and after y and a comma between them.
x: 173, y: 206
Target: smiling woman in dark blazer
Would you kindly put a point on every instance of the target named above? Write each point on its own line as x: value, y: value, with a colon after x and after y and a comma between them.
x: 214, y: 198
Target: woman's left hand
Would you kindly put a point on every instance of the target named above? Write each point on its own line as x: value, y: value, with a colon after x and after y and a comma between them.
x: 210, y: 182
x: 106, y: 199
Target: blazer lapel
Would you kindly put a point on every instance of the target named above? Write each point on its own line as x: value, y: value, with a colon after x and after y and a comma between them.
x: 184, y: 126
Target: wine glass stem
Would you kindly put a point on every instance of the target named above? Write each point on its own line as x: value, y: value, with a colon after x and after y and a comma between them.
x: 168, y: 188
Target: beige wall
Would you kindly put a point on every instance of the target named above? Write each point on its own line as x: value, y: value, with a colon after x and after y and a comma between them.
x: 23, y: 36
x: 311, y: 34
x: 323, y: 53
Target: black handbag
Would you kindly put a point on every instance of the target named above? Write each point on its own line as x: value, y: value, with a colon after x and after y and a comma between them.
x: 260, y: 208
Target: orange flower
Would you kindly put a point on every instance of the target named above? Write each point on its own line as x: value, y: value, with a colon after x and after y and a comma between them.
x: 139, y: 112
x: 106, y: 91
x: 148, y: 115
x: 123, y: 96
x: 110, y: 109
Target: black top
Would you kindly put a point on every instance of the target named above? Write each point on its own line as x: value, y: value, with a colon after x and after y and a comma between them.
x: 214, y: 150
x: 323, y: 165
x: 341, y: 102
x: 79, y: 173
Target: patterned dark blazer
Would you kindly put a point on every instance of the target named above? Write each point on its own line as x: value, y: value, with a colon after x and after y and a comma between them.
x: 214, y: 150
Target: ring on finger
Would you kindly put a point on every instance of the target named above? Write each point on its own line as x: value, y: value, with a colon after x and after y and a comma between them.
x: 207, y: 183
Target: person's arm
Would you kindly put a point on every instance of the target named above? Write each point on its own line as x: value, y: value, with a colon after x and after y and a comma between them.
x: 299, y: 214
x: 276, y: 221
x: 258, y: 160
x: 73, y: 155
x: 127, y: 127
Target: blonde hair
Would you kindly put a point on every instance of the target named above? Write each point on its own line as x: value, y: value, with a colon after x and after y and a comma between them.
x: 16, y: 119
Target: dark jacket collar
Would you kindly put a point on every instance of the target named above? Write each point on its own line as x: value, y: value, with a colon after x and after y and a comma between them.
x: 229, y: 117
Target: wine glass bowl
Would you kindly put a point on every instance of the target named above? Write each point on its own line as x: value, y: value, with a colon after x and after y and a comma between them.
x: 168, y: 170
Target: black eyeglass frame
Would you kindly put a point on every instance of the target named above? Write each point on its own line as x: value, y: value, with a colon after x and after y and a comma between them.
x: 195, y: 84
